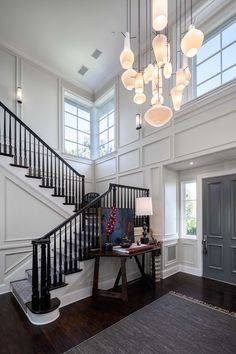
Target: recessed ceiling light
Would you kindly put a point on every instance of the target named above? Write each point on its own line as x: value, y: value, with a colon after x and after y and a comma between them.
x: 191, y: 163
x: 83, y: 70
x: 96, y: 53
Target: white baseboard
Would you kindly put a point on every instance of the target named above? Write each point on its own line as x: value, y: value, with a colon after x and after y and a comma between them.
x: 170, y: 271
x: 190, y: 270
x: 4, y: 289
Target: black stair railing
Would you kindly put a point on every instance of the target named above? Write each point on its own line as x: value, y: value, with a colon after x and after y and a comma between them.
x: 71, y: 241
x: 30, y: 151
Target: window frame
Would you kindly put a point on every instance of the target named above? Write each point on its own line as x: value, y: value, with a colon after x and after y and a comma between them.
x: 218, y: 31
x: 182, y: 210
x: 99, y: 119
x: 78, y: 106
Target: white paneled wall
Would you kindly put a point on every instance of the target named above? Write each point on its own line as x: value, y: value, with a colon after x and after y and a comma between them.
x: 203, y: 126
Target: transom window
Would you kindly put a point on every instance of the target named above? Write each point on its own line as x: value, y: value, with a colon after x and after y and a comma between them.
x: 76, y: 129
x: 216, y: 61
x: 106, y: 128
x: 189, y: 205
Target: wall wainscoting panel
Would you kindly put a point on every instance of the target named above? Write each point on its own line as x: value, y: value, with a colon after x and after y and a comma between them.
x: 132, y: 179
x: 40, y: 217
x: 14, y: 259
x: 129, y: 161
x: 102, y: 186
x: 214, y: 133
x: 157, y: 151
x: 105, y: 168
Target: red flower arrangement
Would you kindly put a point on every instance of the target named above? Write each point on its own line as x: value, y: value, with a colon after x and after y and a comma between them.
x: 111, y: 224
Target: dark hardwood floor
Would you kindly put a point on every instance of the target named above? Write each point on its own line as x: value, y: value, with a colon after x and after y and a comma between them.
x: 84, y: 319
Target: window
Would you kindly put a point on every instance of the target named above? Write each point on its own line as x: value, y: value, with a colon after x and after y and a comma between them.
x: 189, y: 205
x: 106, y: 128
x: 76, y: 129
x: 216, y: 61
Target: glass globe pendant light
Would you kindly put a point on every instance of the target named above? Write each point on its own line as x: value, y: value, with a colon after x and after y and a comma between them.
x: 167, y: 71
x: 158, y: 115
x: 128, y: 79
x: 127, y: 56
x: 160, y: 47
x: 192, y: 41
x: 180, y: 79
x: 176, y: 96
x: 159, y: 14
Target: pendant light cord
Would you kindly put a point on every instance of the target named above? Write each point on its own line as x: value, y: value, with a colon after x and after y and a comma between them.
x: 139, y: 34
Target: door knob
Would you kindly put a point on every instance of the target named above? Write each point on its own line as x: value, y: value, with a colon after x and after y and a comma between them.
x: 204, y: 245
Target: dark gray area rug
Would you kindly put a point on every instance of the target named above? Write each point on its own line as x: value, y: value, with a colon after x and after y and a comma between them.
x: 171, y: 324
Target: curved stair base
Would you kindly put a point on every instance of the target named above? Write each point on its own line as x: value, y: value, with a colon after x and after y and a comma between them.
x: 44, y: 318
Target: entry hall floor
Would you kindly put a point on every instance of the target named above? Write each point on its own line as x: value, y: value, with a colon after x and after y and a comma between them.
x: 83, y: 319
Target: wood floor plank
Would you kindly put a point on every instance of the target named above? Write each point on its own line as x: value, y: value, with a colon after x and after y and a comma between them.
x: 83, y: 319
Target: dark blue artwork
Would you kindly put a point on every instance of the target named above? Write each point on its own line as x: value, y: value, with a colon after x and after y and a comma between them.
x: 124, y: 225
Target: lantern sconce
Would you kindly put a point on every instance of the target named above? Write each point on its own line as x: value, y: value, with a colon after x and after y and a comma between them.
x: 138, y: 121
x: 19, y: 95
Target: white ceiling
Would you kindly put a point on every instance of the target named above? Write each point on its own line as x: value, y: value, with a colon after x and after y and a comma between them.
x: 205, y: 160
x: 62, y: 34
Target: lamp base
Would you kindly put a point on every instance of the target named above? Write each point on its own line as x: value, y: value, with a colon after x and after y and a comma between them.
x: 144, y: 240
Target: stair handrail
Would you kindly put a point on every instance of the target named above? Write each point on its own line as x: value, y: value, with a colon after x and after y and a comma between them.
x: 86, y: 207
x: 40, y: 140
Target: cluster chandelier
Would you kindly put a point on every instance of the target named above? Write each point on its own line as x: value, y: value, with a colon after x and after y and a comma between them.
x: 159, y: 66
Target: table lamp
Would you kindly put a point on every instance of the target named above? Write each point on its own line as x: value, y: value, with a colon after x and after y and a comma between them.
x: 143, y: 207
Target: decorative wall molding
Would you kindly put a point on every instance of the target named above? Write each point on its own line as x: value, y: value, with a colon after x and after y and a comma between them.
x: 156, y: 152
x: 129, y: 161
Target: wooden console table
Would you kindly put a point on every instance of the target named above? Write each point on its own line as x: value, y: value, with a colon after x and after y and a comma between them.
x: 123, y: 295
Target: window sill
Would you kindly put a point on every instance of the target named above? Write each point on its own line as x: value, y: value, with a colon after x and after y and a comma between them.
x: 189, y: 237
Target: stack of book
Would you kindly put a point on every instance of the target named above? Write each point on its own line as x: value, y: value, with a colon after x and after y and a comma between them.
x: 132, y: 249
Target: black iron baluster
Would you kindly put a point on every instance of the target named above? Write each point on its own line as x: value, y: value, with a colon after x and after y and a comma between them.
x: 5, y: 133
x: 85, y: 239
x: 49, y: 281
x: 35, y: 280
x: 114, y: 196
x: 69, y: 186
x: 30, y: 159
x: 62, y: 180
x: 34, y: 174
x: 51, y: 168
x: 73, y: 188
x: 10, y: 138
x: 45, y: 295
x: 43, y: 168
x: 76, y: 194
x: 56, y: 191
x: 59, y: 176
x: 65, y: 250
x: 80, y: 237
x: 70, y: 260
x: 54, y: 259
x: 47, y: 169
x: 15, y: 143
x: 66, y: 187
x: 39, y: 162
x: 25, y: 148
x: 75, y: 245
x: 97, y: 231
x: 60, y: 258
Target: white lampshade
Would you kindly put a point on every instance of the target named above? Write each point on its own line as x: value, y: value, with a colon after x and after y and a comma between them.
x: 139, y: 98
x: 159, y: 14
x: 167, y: 71
x: 19, y: 95
x: 180, y: 79
x: 158, y: 115
x: 143, y: 206
x: 128, y: 79
x: 192, y: 41
x: 139, y: 83
x: 148, y: 74
x: 176, y: 96
x: 159, y: 45
x: 127, y: 56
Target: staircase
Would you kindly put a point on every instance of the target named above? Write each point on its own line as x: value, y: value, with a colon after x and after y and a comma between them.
x: 57, y: 254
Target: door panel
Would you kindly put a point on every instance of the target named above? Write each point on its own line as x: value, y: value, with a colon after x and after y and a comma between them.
x: 219, y: 228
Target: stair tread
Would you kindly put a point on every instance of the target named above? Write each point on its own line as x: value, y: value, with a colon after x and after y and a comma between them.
x: 23, y: 289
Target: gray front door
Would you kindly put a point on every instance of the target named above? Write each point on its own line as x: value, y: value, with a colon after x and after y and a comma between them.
x: 219, y: 228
